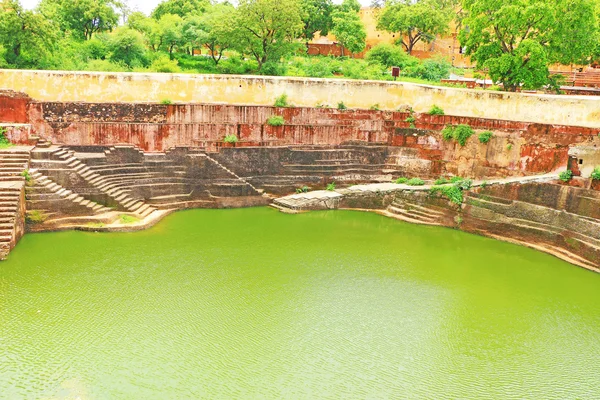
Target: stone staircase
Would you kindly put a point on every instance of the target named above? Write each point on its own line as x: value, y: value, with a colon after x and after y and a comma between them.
x: 415, y: 213
x: 103, y: 178
x: 230, y: 172
x: 43, y: 194
x: 13, y: 162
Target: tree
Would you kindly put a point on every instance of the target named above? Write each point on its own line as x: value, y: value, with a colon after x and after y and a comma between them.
x: 316, y: 17
x: 180, y: 7
x: 25, y: 36
x: 170, y: 32
x: 576, y: 32
x: 349, y: 6
x: 349, y: 31
x: 268, y: 29
x: 415, y: 21
x: 215, y: 29
x: 517, y: 41
x: 83, y: 17
x: 127, y: 46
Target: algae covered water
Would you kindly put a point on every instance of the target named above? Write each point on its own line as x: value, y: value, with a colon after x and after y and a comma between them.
x: 252, y: 303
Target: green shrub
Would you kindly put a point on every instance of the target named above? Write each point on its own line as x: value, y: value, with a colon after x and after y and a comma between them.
x: 485, y: 137
x: 25, y: 174
x: 464, y: 184
x: 331, y: 186
x: 230, y: 139
x: 566, y: 176
x: 452, y: 193
x: 275, y: 120
x: 164, y: 64
x: 388, y: 55
x: 415, y: 182
x: 484, y: 184
x: 441, y: 181
x: 166, y: 101
x: 4, y: 142
x: 456, y: 179
x: 411, y: 120
x: 596, y: 174
x: 435, y: 110
x: 127, y: 219
x: 460, y: 133
x: 341, y: 106
x: 401, y: 180
x: 509, y: 147
x: 374, y: 107
x: 35, y: 217
x: 303, y: 189
x: 282, y: 101
x: 432, y: 69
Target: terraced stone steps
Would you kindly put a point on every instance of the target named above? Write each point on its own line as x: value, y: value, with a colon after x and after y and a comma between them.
x: 95, y: 179
x: 8, y: 216
x: 415, y: 213
x: 45, y: 193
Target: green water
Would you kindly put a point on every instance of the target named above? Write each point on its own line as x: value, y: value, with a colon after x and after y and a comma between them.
x: 257, y: 304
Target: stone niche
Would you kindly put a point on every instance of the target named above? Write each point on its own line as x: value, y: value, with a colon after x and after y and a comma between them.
x: 584, y: 159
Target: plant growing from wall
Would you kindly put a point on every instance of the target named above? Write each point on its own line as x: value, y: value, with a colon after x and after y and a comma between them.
x: 342, y: 106
x: 4, y: 142
x: 375, y: 107
x: 303, y: 189
x: 509, y: 147
x: 566, y: 175
x: 461, y: 133
x: 282, y: 101
x: 25, y: 174
x: 401, y: 180
x: 411, y: 120
x: 166, y: 101
x: 275, y: 120
x: 230, y: 139
x: 441, y: 181
x: 596, y: 174
x: 331, y: 186
x: 415, y: 182
x: 435, y: 110
x: 35, y: 217
x: 485, y: 137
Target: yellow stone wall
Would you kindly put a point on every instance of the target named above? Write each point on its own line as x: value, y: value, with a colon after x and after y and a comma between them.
x: 262, y: 90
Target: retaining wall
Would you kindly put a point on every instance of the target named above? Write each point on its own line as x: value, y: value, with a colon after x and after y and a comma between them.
x: 260, y: 90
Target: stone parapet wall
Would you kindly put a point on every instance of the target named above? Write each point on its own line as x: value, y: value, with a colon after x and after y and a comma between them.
x: 260, y: 90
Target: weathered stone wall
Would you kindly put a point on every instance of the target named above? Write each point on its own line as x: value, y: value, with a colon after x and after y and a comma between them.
x: 553, y: 217
x: 517, y: 147
x: 261, y: 90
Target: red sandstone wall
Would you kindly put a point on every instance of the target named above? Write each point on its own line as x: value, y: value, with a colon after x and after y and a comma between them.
x: 13, y: 107
x: 517, y: 148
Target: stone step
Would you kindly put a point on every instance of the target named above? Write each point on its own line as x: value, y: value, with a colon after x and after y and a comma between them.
x: 412, y: 217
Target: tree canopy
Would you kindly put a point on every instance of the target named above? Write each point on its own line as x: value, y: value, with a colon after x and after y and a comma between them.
x: 267, y: 29
x: 415, y: 21
x: 82, y: 17
x: 180, y: 7
x: 516, y: 40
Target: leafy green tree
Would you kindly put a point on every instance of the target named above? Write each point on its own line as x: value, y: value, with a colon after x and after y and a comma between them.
x: 216, y: 30
x: 170, y: 32
x: 316, y: 17
x: 349, y: 31
x: 389, y: 55
x: 517, y: 40
x: 180, y: 7
x: 268, y: 29
x: 83, y: 17
x: 576, y: 32
x: 415, y: 21
x: 127, y: 46
x: 25, y: 36
x: 349, y: 6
